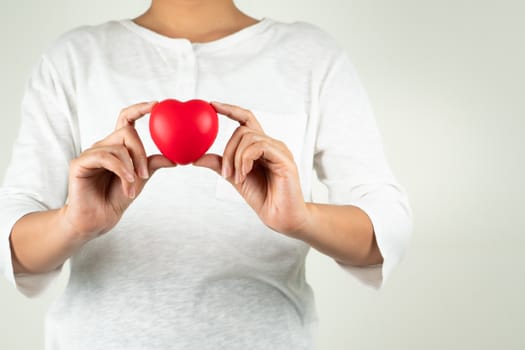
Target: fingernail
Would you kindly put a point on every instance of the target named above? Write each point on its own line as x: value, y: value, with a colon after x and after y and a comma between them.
x: 132, y: 192
x: 130, y: 177
x: 144, y: 172
x: 225, y: 171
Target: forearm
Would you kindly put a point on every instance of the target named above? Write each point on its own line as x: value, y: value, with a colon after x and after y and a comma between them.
x: 344, y: 233
x: 41, y: 242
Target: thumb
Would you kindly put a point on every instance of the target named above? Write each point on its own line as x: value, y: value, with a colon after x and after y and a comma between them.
x: 157, y: 161
x: 210, y: 161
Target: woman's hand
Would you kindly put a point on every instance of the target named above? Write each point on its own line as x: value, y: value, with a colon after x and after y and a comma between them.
x: 105, y: 179
x: 262, y: 170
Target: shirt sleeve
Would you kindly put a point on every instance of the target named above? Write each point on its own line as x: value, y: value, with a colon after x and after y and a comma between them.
x: 37, y: 175
x: 350, y: 161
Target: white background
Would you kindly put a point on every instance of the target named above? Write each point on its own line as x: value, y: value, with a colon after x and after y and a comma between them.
x: 446, y: 79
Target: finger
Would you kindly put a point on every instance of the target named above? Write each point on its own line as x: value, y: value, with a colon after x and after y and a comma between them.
x: 104, y: 159
x: 158, y: 161
x: 210, y: 161
x: 241, y: 115
x: 129, y: 115
x: 129, y: 137
x: 122, y: 153
x: 269, y: 153
x: 247, y: 139
x: 118, y: 151
x: 136, y: 148
x: 229, y: 151
x: 155, y: 162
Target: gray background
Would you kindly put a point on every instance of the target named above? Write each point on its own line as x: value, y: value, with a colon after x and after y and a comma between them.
x: 445, y: 79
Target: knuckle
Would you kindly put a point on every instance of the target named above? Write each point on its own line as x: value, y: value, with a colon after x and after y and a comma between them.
x: 264, y: 143
x: 119, y: 149
x: 100, y: 143
x: 122, y: 148
x: 247, y: 134
x: 241, y: 129
x: 245, y: 156
x: 131, y: 129
x: 96, y: 144
x: 132, y: 134
x: 128, y: 130
x: 249, y: 114
x: 121, y: 120
x: 255, y: 135
x: 73, y: 163
x: 103, y: 156
x: 86, y: 151
x: 123, y: 112
x: 280, y: 143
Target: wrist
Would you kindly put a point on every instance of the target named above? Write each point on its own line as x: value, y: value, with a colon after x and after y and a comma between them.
x: 306, y: 229
x: 67, y: 230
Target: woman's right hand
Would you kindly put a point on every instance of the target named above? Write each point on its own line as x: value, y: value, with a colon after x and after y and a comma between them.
x: 106, y: 178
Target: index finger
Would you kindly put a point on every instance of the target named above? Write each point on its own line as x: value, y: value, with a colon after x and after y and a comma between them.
x: 129, y: 115
x: 241, y: 115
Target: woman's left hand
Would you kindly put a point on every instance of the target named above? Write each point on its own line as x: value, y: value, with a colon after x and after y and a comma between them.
x: 263, y: 171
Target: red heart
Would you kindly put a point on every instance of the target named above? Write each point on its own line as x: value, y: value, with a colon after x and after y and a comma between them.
x: 183, y: 131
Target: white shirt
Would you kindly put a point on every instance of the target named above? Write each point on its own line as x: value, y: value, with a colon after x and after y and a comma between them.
x: 190, y: 265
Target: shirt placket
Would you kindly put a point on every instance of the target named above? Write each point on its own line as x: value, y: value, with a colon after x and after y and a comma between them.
x: 186, y: 72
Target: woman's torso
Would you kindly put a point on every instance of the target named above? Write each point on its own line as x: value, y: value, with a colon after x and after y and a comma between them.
x: 190, y: 265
